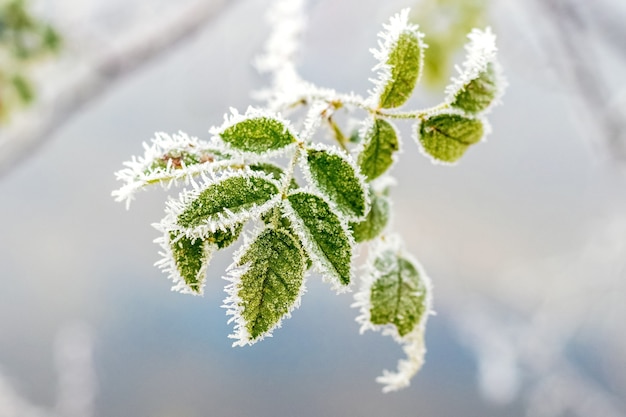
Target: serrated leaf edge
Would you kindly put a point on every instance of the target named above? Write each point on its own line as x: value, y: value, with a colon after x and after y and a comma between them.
x: 413, y: 342
x: 167, y: 263
x: 227, y: 221
x: 308, y: 176
x: 233, y: 303
x: 487, y: 130
x: 321, y: 264
x: 388, y: 38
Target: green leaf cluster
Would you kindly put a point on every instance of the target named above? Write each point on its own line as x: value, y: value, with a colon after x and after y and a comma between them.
x: 24, y: 40
x: 297, y: 204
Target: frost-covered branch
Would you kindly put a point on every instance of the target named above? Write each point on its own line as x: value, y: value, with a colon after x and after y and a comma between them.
x: 309, y: 204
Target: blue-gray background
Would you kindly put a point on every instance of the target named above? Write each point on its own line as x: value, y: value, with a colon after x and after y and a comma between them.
x: 69, y: 253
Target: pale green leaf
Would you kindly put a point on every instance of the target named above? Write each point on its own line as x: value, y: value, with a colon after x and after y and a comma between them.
x: 375, y: 222
x: 233, y: 197
x: 270, y: 286
x: 380, y: 143
x: 398, y: 295
x: 446, y: 136
x: 337, y: 178
x: 405, y: 60
x: 478, y: 94
x: 258, y: 135
x: 325, y: 239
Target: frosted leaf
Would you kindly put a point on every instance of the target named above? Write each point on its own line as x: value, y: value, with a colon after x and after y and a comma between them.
x: 185, y: 261
x: 400, y: 56
x: 169, y: 159
x: 266, y: 284
x: 327, y: 241
x: 445, y: 136
x: 335, y: 174
x: 223, y: 203
x: 396, y: 297
x: 479, y: 83
x: 379, y: 145
x: 256, y: 132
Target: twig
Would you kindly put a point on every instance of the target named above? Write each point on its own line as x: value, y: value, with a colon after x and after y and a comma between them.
x: 21, y: 140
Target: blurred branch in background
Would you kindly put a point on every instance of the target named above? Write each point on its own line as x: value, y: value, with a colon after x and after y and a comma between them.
x: 93, y: 76
x: 578, y: 30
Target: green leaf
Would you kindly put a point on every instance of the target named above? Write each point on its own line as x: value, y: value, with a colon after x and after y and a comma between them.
x: 446, y: 136
x: 325, y: 239
x: 381, y: 141
x: 398, y: 295
x: 375, y: 222
x: 191, y: 257
x: 227, y: 202
x: 477, y: 95
x: 258, y: 135
x: 406, y: 60
x: 272, y: 276
x: 24, y: 88
x: 336, y: 177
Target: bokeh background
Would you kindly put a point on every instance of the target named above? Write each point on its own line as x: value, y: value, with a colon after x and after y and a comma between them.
x: 525, y: 239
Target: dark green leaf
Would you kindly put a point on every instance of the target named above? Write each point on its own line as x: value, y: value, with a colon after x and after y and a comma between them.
x: 234, y: 196
x: 405, y: 60
x: 258, y: 135
x: 336, y: 178
x: 325, y: 239
x: 479, y: 93
x: 398, y: 295
x: 271, y: 284
x: 191, y: 257
x: 447, y: 136
x: 381, y: 141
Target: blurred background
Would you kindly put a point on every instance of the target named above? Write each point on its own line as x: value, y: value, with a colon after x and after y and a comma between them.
x: 525, y: 239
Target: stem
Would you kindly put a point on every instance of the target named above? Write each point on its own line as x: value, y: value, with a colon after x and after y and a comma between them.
x: 287, y: 181
x: 342, y: 100
x: 339, y: 136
